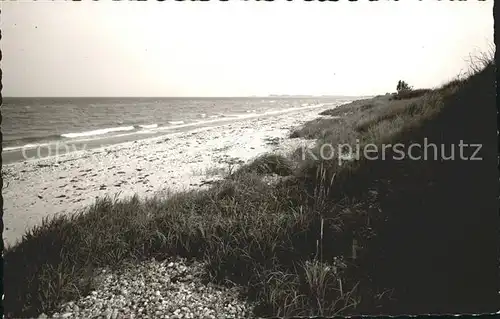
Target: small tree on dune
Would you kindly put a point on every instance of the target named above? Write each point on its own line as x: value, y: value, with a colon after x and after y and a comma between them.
x: 403, y: 87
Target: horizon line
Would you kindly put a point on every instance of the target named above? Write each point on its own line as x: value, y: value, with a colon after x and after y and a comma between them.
x: 189, y: 97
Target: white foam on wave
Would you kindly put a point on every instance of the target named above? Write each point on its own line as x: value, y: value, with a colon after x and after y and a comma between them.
x: 176, y: 122
x: 248, y: 116
x: 98, y: 132
x: 148, y: 126
x: 144, y: 132
x: 26, y: 146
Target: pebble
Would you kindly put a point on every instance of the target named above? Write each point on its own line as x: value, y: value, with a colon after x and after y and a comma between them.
x: 146, y: 290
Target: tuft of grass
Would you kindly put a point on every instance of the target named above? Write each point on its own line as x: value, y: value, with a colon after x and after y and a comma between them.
x: 6, y: 178
x: 318, y: 128
x: 216, y: 171
x: 410, y: 94
x: 268, y: 164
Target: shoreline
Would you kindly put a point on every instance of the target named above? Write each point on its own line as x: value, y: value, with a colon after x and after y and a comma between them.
x: 178, y: 161
x: 47, y: 149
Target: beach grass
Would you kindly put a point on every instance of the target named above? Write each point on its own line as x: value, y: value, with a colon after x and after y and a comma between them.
x: 368, y: 236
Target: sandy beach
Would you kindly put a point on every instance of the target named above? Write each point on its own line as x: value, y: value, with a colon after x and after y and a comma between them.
x: 42, y: 188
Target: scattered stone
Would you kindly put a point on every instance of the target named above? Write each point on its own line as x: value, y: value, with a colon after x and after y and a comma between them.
x: 145, y: 290
x: 61, y: 196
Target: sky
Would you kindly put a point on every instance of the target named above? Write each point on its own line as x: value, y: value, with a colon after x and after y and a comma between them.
x: 236, y: 48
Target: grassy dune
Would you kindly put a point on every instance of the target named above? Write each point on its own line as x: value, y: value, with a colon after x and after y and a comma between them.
x: 369, y: 236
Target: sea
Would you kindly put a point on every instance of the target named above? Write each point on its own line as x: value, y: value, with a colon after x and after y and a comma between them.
x: 29, y: 124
